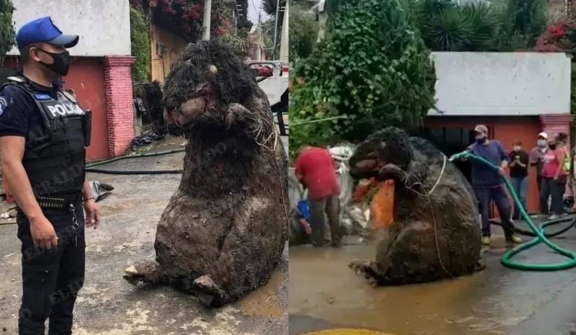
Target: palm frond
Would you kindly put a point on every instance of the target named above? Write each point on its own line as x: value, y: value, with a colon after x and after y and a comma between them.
x: 447, y: 31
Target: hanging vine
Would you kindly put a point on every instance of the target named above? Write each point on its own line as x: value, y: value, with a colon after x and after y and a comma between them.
x: 140, y: 42
x: 7, y: 32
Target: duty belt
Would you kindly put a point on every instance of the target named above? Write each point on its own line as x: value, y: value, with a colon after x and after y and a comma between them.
x: 58, y: 202
x: 69, y: 202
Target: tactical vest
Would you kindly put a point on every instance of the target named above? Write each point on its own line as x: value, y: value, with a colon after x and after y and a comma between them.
x: 55, y: 154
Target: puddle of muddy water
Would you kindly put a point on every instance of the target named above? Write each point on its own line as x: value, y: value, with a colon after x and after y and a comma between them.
x: 322, y: 286
x: 264, y: 301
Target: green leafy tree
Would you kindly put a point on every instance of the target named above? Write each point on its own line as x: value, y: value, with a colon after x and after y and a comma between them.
x: 561, y: 37
x: 269, y: 6
x: 303, y: 33
x: 446, y: 26
x: 372, y: 71
x: 519, y: 23
x: 502, y: 25
x: 7, y: 32
x: 268, y: 34
x: 140, y: 41
x: 243, y: 23
x: 238, y: 42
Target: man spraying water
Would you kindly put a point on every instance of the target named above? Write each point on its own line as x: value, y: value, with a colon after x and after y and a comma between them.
x: 488, y: 186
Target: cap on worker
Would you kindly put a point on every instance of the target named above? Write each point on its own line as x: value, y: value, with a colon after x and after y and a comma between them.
x: 543, y: 135
x: 43, y: 30
x: 481, y: 129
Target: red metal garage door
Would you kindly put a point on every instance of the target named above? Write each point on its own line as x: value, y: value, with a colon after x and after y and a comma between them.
x: 86, y: 77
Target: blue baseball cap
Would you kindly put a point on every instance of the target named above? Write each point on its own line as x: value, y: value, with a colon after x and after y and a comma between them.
x: 43, y: 30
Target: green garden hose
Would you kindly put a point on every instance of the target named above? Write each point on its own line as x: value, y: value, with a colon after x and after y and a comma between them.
x: 539, y: 231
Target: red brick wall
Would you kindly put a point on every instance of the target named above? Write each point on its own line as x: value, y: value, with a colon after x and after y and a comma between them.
x: 120, y: 114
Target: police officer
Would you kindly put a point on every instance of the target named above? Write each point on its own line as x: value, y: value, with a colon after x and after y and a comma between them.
x: 43, y: 134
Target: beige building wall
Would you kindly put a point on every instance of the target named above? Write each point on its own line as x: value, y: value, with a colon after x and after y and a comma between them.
x: 173, y: 47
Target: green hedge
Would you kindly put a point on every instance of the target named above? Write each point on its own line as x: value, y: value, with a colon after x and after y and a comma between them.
x: 7, y: 32
x: 140, y: 39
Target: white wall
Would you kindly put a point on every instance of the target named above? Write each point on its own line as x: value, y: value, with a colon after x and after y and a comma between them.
x: 525, y: 83
x: 103, y: 25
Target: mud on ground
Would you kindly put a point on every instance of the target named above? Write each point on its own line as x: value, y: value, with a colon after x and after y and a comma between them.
x: 107, y: 305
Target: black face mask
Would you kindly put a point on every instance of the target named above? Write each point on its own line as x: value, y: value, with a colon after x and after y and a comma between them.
x: 552, y: 146
x: 61, y: 63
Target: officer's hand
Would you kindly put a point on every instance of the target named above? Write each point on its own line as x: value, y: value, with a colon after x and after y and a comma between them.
x: 92, y: 214
x: 43, y: 233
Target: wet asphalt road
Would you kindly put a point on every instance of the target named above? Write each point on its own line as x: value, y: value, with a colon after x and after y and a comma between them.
x: 108, y: 305
x: 325, y: 294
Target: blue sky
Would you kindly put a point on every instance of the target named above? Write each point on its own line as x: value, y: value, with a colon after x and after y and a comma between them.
x: 254, y: 7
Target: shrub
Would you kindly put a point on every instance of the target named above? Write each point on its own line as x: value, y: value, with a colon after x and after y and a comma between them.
x: 7, y: 33
x: 372, y: 71
x: 140, y: 40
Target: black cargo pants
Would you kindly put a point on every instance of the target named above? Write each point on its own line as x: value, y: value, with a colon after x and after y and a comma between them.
x: 51, y: 279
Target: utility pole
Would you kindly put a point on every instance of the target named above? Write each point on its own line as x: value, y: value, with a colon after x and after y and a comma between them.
x: 284, y: 36
x: 276, y: 29
x: 206, y: 21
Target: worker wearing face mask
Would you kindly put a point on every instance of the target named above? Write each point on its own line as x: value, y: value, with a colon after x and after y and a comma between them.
x: 519, y: 175
x: 537, y: 160
x: 488, y: 184
x: 554, y: 176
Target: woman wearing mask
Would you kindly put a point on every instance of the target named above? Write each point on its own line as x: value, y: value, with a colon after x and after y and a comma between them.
x: 519, y: 175
x: 554, y: 177
x: 537, y: 159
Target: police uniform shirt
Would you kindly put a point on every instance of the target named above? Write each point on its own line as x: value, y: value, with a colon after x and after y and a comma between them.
x: 18, y: 112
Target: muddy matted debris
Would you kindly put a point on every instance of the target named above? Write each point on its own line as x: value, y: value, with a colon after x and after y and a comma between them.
x: 435, y: 230
x: 224, y: 229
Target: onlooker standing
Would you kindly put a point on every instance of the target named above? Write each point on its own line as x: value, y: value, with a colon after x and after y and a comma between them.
x: 519, y: 175
x: 554, y: 179
x: 316, y: 171
x: 537, y: 160
x: 562, y: 142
